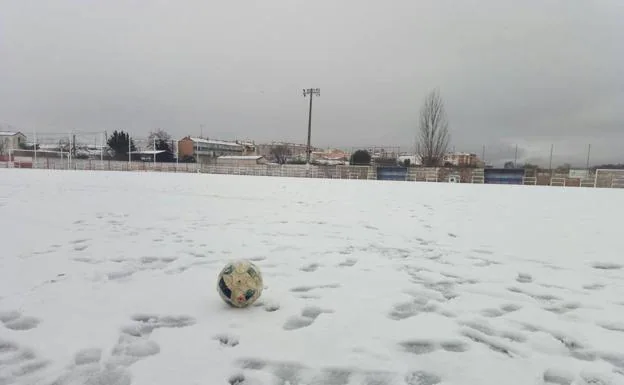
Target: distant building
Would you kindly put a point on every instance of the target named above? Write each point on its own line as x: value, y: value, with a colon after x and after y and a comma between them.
x: 241, y: 161
x: 462, y: 159
x: 381, y: 154
x: 413, y: 160
x: 190, y: 147
x: 249, y: 148
x: 11, y: 140
x: 330, y: 157
x: 149, y: 155
x: 295, y: 150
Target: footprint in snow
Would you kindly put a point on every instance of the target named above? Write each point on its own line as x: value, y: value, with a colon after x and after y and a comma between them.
x: 524, y: 278
x: 310, y: 268
x: 428, y: 346
x: 228, y: 340
x: 422, y: 378
x: 349, y: 262
x: 557, y: 377
x: 132, y: 346
x: 80, y: 244
x: 237, y: 379
x: 606, y: 266
x: 268, y: 306
x: 491, y: 342
x: 486, y: 329
x: 295, y: 373
x: 594, y: 286
x: 305, y: 289
x: 308, y: 315
x: 502, y: 310
x: 613, y: 326
x: 14, y: 320
x: 20, y: 364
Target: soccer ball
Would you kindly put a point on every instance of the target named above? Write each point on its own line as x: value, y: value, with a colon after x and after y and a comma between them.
x: 240, y: 283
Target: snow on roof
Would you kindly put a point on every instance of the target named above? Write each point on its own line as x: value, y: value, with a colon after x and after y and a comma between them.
x: 9, y: 133
x: 210, y: 141
x: 242, y: 157
x: 149, y: 152
x: 285, y: 144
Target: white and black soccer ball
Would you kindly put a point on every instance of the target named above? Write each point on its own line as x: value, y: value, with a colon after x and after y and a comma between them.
x: 240, y: 283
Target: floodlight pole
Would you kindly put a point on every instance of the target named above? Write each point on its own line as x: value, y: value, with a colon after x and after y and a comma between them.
x: 69, y: 152
x: 35, y: 147
x: 177, y: 148
x: 311, y: 92
x: 552, y: 146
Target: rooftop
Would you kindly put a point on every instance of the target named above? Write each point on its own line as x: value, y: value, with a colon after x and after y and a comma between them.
x: 9, y: 133
x: 148, y: 152
x: 459, y: 154
x: 241, y: 157
x: 211, y: 141
x: 285, y: 144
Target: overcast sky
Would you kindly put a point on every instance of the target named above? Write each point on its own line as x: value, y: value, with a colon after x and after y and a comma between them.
x: 527, y: 73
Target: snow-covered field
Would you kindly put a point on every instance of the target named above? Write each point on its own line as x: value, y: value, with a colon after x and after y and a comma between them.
x: 110, y: 279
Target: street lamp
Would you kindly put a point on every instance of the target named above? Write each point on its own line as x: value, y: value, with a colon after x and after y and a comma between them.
x: 311, y: 92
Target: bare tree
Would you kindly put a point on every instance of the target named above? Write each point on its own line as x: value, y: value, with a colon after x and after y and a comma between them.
x: 64, y: 144
x: 281, y: 153
x: 159, y: 135
x: 433, y: 131
x: 162, y: 141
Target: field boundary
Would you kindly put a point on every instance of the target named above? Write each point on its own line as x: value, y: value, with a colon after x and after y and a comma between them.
x: 413, y: 174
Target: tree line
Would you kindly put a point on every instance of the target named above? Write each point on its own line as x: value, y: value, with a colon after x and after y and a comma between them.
x: 122, y: 145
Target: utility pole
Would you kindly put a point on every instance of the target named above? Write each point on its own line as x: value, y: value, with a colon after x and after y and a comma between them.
x: 69, y: 151
x: 175, y: 148
x: 587, y: 165
x: 516, y: 157
x: 74, y: 145
x: 483, y: 155
x: 35, y: 147
x: 311, y: 92
x: 552, y: 146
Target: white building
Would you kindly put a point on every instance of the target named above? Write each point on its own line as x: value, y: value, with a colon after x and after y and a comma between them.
x: 462, y: 159
x: 414, y: 160
x: 241, y: 161
x: 11, y: 140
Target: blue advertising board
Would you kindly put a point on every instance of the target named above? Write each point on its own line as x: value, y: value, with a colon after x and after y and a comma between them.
x: 503, y: 175
x: 392, y: 173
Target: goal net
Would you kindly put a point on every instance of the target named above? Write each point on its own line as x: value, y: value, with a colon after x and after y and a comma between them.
x: 609, y: 178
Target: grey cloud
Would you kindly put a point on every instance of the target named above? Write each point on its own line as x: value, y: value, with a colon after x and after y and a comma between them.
x: 530, y: 73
